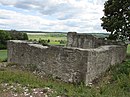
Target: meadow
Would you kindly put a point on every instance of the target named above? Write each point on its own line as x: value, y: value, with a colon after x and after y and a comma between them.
x: 55, y: 38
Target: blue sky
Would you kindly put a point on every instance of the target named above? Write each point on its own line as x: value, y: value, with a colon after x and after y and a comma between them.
x: 82, y: 16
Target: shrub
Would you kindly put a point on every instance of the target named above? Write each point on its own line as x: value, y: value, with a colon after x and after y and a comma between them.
x: 44, y: 42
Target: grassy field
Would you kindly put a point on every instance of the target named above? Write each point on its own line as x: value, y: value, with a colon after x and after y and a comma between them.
x: 3, y: 55
x: 53, y: 37
x: 46, y: 36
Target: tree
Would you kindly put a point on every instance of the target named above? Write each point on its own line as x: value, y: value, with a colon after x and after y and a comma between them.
x: 25, y: 36
x: 4, y: 36
x: 13, y: 35
x: 116, y: 19
x: 48, y: 41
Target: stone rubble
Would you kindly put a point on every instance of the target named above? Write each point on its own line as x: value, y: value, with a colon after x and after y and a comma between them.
x: 17, y: 90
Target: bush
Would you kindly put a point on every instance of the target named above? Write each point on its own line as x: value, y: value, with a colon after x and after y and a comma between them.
x: 62, y: 42
x: 44, y: 42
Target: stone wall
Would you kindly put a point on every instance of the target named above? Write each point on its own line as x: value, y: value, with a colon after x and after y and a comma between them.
x: 100, y: 59
x: 86, y: 41
x: 81, y: 40
x: 68, y: 64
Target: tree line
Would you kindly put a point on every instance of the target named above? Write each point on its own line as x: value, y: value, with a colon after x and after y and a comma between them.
x: 10, y: 35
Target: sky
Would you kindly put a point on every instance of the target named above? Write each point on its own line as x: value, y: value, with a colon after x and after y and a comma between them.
x: 82, y: 16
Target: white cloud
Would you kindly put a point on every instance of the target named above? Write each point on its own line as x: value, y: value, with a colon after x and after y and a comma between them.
x: 20, y: 21
x: 53, y: 15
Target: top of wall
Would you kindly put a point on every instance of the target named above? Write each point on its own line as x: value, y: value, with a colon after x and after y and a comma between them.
x: 37, y: 45
x: 87, y: 41
x: 29, y: 43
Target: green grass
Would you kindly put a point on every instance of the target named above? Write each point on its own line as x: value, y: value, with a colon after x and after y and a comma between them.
x: 128, y: 49
x: 3, y: 55
x: 115, y: 83
x: 53, y: 37
x: 37, y: 37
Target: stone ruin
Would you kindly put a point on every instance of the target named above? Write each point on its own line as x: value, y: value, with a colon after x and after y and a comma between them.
x: 84, y: 59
